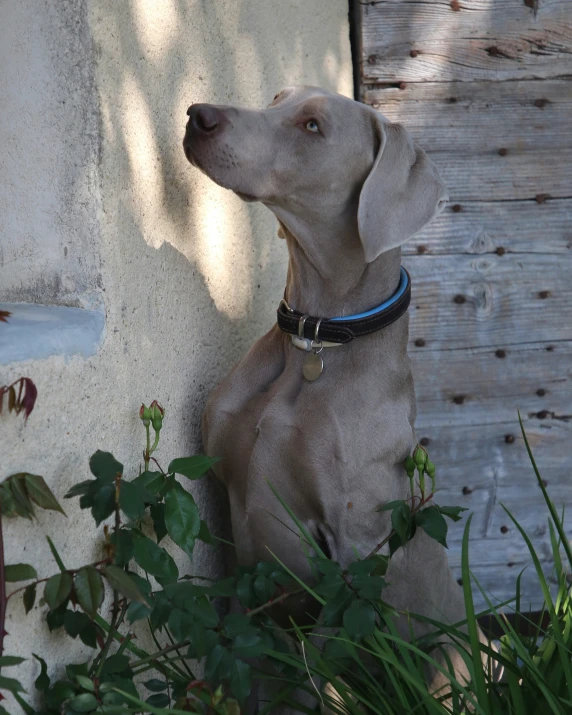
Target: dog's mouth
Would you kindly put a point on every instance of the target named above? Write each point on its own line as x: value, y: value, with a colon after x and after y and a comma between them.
x: 194, y: 161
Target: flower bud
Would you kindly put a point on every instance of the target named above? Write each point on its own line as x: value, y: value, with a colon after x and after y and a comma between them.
x: 157, y: 414
x: 409, y: 466
x: 430, y: 468
x: 420, y: 457
x: 145, y: 415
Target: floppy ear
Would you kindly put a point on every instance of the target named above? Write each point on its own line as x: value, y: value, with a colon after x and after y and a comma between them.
x: 402, y: 193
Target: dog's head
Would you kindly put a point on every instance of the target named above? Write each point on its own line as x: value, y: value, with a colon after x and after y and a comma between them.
x: 312, y: 152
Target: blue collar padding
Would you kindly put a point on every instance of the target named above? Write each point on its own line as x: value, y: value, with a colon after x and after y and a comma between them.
x: 389, y: 302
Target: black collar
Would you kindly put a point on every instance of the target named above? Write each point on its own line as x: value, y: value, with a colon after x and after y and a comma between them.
x: 345, y: 329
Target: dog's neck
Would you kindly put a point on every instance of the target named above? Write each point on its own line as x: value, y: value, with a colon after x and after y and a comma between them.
x: 327, y: 274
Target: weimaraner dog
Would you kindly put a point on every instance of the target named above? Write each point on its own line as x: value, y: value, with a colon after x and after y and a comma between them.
x: 329, y: 427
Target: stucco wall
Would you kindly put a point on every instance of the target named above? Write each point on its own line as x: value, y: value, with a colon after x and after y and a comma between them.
x: 95, y: 95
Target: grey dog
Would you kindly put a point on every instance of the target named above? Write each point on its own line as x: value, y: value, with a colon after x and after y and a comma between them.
x: 348, y: 188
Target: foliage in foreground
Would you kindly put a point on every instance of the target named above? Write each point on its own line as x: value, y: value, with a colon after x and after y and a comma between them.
x: 206, y: 659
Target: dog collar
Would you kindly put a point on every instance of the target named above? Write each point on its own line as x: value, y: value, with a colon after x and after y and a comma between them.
x: 310, y: 332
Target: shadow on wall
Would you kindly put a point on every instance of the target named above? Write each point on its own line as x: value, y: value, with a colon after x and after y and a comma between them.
x: 154, y: 60
x: 157, y: 59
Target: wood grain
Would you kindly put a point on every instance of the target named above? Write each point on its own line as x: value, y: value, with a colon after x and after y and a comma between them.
x: 462, y: 301
x: 479, y: 470
x: 484, y: 86
x: 506, y: 227
x: 483, y: 40
x: 481, y: 117
x: 476, y: 386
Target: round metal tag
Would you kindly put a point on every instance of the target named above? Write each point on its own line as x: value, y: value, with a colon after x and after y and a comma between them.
x: 313, y: 367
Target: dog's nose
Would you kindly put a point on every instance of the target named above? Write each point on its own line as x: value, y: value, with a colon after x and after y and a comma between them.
x: 205, y: 118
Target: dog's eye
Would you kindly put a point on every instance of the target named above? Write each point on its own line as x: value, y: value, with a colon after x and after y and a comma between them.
x: 312, y: 126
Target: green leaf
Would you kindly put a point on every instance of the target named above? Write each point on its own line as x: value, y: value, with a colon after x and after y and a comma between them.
x: 55, y: 619
x: 217, y: 664
x: 205, y: 534
x: 152, y: 482
x: 390, y: 505
x: 133, y: 499
x: 75, y: 622
x: 161, y: 610
x: 359, y: 619
x: 155, y: 560
x: 19, y: 572
x: 433, y: 523
x: 58, y: 589
x: 158, y: 516
x: 79, y: 489
x: 103, y: 502
x: 60, y: 691
x: 84, y: 703
x: 452, y: 512
x: 192, y: 467
x: 248, y: 645
x: 105, y: 467
x: 8, y: 660
x: 180, y: 624
x: 124, y: 548
x: 89, y: 633
x: 125, y: 583
x: 89, y: 590
x: 204, y: 611
x: 182, y: 518
x: 7, y: 504
x: 335, y: 607
x: 244, y: 590
x: 155, y: 686
x: 401, y: 521
x: 41, y: 494
x: 117, y: 663
x: 159, y: 700
x: 22, y: 504
x: 85, y: 682
x: 264, y: 588
x: 10, y: 684
x: 42, y: 682
x: 240, y: 679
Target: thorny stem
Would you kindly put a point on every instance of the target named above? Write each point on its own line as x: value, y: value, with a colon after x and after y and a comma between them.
x: 116, y: 621
x: 158, y: 654
x: 147, y: 453
x: 150, y: 448
x: 273, y: 602
x: 116, y: 618
x: 183, y: 663
x: 154, y: 637
x: 3, y: 599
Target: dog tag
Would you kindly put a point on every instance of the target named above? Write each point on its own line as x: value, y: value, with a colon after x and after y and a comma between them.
x: 313, y: 366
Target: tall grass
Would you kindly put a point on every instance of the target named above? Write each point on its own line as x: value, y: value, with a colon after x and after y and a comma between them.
x: 383, y: 674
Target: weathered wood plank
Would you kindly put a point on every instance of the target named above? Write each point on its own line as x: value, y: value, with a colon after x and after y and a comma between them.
x: 491, y: 177
x: 482, y: 40
x: 476, y: 386
x: 481, y: 117
x: 504, y: 226
x: 478, y: 469
x: 465, y: 301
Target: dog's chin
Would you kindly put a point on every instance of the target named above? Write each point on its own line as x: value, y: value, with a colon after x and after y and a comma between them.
x: 249, y: 198
x: 213, y: 176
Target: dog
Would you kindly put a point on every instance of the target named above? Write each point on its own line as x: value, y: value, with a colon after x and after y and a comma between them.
x: 326, y: 416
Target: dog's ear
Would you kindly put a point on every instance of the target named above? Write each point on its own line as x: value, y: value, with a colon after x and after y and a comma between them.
x: 402, y: 193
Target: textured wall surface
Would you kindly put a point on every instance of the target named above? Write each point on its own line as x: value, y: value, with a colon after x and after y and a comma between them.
x: 102, y: 207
